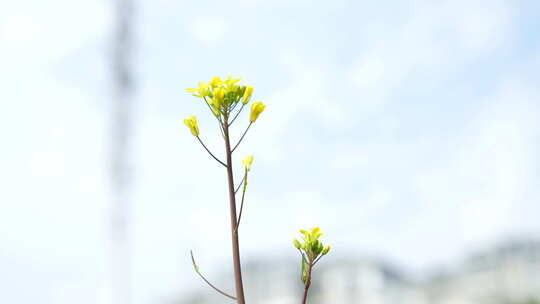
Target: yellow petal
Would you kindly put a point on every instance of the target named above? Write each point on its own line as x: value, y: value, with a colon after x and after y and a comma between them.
x: 216, y: 81
x: 230, y: 82
x: 247, y: 94
x: 191, y: 123
x: 256, y: 109
x: 247, y: 161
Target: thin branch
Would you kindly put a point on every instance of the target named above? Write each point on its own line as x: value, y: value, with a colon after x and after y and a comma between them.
x: 218, y: 118
x: 207, y: 282
x: 236, y: 146
x: 211, y: 152
x: 210, y: 108
x: 316, y: 260
x: 239, y: 185
x: 302, y: 254
x: 242, y: 203
x: 220, y: 125
x: 238, y: 113
x: 234, y: 106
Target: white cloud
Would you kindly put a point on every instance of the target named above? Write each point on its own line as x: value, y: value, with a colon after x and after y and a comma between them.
x: 351, y: 158
x: 490, y: 174
x: 482, y: 25
x: 40, y: 36
x: 19, y: 30
x: 210, y: 30
x: 307, y: 94
x: 433, y: 38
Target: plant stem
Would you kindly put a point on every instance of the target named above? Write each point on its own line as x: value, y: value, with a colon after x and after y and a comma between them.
x: 210, y: 152
x: 247, y: 129
x: 205, y: 280
x: 234, y: 232
x: 238, y: 187
x: 306, y: 288
x: 242, y: 202
x: 307, y: 284
x: 236, y: 115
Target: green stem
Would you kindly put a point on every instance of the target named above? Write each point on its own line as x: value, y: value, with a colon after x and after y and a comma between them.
x: 242, y: 202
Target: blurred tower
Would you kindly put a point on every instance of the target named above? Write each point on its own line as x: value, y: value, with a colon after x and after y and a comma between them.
x: 120, y: 169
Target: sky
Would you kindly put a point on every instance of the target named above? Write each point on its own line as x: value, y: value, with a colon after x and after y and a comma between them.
x: 407, y: 130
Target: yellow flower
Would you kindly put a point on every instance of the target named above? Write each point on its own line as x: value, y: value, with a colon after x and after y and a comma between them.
x: 247, y: 161
x: 214, y: 105
x: 230, y: 81
x: 247, y: 94
x: 219, y: 93
x: 216, y: 81
x: 191, y: 123
x: 316, y: 232
x: 202, y: 90
x: 256, y: 109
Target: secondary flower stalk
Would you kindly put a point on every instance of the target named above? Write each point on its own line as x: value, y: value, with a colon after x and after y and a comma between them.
x: 311, y: 251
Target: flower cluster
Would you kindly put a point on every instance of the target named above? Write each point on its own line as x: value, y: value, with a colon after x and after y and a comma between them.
x: 222, y: 97
x: 311, y: 250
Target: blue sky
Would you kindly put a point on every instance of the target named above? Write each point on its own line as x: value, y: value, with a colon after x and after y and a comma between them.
x: 405, y: 129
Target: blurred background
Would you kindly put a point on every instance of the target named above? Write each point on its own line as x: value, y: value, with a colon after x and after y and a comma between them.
x: 407, y: 130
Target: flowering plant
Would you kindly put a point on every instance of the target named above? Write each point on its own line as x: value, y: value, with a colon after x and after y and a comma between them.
x: 226, y: 99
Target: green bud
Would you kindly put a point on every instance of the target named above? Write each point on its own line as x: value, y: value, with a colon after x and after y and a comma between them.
x: 315, y: 247
x: 297, y: 244
x: 240, y: 91
x: 325, y: 250
x: 319, y: 247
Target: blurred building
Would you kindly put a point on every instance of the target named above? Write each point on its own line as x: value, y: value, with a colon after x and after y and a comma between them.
x: 508, y: 274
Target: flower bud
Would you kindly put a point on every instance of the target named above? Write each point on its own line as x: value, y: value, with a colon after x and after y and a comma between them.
x: 191, y: 123
x: 256, y: 109
x: 297, y: 244
x: 219, y: 93
x: 325, y: 250
x: 214, y: 106
x: 247, y: 94
x: 247, y: 161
